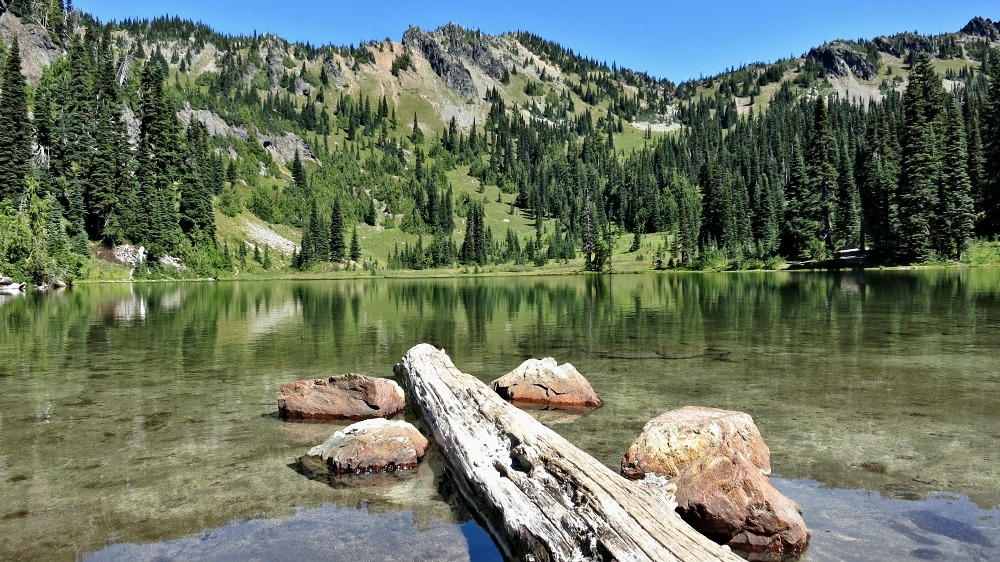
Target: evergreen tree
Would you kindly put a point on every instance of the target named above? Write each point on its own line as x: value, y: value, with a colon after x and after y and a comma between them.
x: 977, y: 160
x: 197, y: 219
x: 474, y: 246
x: 110, y: 188
x: 821, y: 158
x: 847, y: 205
x: 355, y: 254
x: 15, y: 129
x: 880, y: 175
x: 958, y: 210
x: 990, y: 207
x: 338, y: 249
x: 159, y: 166
x: 923, y: 105
x: 689, y: 218
x: 370, y: 214
x: 803, y: 208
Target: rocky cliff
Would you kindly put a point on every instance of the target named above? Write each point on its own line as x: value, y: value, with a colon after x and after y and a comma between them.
x: 839, y: 59
x: 452, y: 51
x: 37, y: 48
x: 981, y: 27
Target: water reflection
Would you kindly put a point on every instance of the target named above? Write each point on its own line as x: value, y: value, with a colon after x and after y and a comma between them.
x: 355, y: 534
x: 150, y: 407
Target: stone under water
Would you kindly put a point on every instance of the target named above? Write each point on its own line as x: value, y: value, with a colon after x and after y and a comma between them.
x: 345, y: 397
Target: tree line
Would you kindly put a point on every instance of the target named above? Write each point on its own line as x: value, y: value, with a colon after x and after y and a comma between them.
x: 101, y: 157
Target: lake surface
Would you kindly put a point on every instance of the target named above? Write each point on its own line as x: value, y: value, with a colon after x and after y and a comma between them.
x: 138, y: 422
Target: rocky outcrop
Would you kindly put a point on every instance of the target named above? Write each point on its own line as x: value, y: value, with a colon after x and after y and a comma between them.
x: 37, y: 49
x: 127, y: 254
x: 839, y: 59
x: 302, y: 88
x: 368, y: 447
x: 275, y: 65
x: 471, y: 46
x: 985, y: 28
x: 445, y: 65
x: 282, y: 147
x: 345, y: 397
x: 545, y: 382
x: 902, y: 44
x: 719, y: 463
x: 333, y: 71
x: 451, y: 50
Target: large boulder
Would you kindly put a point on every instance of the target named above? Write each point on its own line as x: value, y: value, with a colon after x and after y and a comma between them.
x: 368, y: 447
x: 719, y: 463
x: 345, y: 397
x: 542, y: 381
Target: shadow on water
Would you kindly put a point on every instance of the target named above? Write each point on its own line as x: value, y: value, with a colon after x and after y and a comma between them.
x: 947, y: 527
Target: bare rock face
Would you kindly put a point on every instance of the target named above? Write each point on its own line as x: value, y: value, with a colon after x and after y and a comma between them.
x: 985, y: 28
x: 345, y: 397
x: 544, y: 382
x: 333, y: 71
x: 282, y: 147
x: 302, y: 88
x: 446, y: 65
x: 368, y: 447
x: 452, y: 51
x: 719, y: 463
x: 840, y: 59
x: 37, y: 48
x: 902, y: 43
x: 275, y: 64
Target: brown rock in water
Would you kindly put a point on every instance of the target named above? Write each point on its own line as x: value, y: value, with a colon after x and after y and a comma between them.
x: 345, y: 397
x: 544, y: 382
x: 368, y: 447
x: 719, y: 463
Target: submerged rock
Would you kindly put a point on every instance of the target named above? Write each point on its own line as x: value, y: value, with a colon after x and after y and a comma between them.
x: 719, y: 463
x: 345, y: 397
x: 542, y: 381
x: 368, y: 447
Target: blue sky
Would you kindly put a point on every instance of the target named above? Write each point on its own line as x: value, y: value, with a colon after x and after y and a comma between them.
x: 675, y: 40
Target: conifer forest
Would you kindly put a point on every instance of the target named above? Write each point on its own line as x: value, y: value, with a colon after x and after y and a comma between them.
x: 118, y: 141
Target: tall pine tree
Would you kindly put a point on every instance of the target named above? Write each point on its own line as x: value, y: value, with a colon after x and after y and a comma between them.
x: 923, y: 106
x: 15, y: 129
x: 957, y: 210
x: 821, y: 158
x: 160, y: 161
x: 338, y: 249
x: 990, y: 206
x: 803, y: 208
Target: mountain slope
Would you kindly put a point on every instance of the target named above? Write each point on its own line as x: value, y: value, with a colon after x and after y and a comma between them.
x: 412, y: 139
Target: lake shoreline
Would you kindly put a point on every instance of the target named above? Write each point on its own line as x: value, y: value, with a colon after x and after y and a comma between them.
x: 464, y: 273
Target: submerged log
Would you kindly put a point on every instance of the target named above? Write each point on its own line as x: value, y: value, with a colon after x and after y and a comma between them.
x: 541, y: 498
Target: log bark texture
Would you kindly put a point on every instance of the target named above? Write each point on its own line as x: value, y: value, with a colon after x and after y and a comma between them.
x: 540, y: 497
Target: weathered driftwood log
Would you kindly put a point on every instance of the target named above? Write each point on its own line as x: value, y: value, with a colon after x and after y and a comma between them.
x: 541, y: 498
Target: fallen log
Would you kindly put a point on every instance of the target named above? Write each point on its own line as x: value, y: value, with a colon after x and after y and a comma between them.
x: 539, y: 496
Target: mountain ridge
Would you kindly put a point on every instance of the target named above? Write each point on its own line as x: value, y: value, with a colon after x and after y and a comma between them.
x: 453, y: 126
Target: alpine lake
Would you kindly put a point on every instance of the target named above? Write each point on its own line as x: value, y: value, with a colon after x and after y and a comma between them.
x: 139, y: 422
